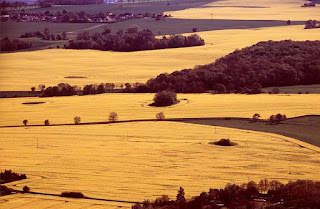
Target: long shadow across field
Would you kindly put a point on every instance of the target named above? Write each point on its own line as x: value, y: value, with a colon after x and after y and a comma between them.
x: 304, y: 128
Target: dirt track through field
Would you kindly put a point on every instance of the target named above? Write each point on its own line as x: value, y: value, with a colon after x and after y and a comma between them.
x: 85, y: 29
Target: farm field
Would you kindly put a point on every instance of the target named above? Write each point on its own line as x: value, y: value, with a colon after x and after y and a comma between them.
x: 26, y: 201
x: 251, y: 10
x: 304, y: 128
x: 166, y: 27
x: 96, y: 108
x: 117, y: 8
x: 137, y: 161
x: 50, y: 67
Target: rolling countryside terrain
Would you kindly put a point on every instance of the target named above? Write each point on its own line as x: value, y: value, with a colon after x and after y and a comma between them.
x: 139, y: 157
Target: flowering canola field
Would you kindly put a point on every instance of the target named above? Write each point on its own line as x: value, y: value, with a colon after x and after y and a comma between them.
x: 251, y: 10
x: 96, y: 108
x: 142, y: 160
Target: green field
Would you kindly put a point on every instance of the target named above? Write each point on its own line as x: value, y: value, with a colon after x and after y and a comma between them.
x: 311, y: 89
x: 164, y: 27
x: 117, y: 8
x: 305, y: 128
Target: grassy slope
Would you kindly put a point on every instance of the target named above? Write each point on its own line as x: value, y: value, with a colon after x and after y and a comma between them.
x: 108, y: 161
x: 305, y: 128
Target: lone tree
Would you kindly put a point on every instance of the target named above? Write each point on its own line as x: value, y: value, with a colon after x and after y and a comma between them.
x: 160, y: 116
x: 255, y: 117
x: 25, y: 122
x: 26, y: 189
x: 165, y: 98
x: 77, y: 120
x: 46, y: 122
x: 113, y: 117
x: 33, y: 89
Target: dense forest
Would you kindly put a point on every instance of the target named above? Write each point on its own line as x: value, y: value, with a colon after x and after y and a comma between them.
x: 265, y: 194
x: 271, y: 63
x: 133, y: 39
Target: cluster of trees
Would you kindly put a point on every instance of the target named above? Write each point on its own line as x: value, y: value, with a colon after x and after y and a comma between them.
x: 294, y: 194
x: 271, y: 63
x: 62, y: 89
x: 46, y: 35
x: 9, y: 176
x: 164, y: 98
x: 133, y: 39
x: 98, y: 89
x: 13, y: 5
x: 277, y: 119
x: 311, y: 24
x: 13, y: 45
x: 50, y: 3
x: 5, y: 190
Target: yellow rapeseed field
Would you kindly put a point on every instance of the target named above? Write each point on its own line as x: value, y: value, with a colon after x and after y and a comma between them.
x: 251, y: 10
x: 96, y: 108
x: 21, y: 71
x: 142, y: 160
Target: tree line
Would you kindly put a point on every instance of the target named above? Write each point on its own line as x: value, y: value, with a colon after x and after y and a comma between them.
x: 294, y: 194
x: 13, y: 45
x: 46, y: 35
x: 265, y: 64
x: 133, y: 39
x: 50, y: 3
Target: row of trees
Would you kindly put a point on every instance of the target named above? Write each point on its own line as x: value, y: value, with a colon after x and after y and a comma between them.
x: 46, y: 35
x: 113, y: 117
x: 134, y: 39
x: 271, y: 63
x: 98, y: 89
x: 294, y: 194
x: 62, y: 89
x: 13, y: 45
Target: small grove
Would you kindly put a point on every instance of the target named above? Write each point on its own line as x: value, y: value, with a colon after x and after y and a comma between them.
x: 133, y: 39
x: 9, y: 176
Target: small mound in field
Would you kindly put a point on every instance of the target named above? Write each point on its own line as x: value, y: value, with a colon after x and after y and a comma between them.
x: 27, y: 103
x: 75, y: 77
x: 72, y: 194
x: 223, y: 142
